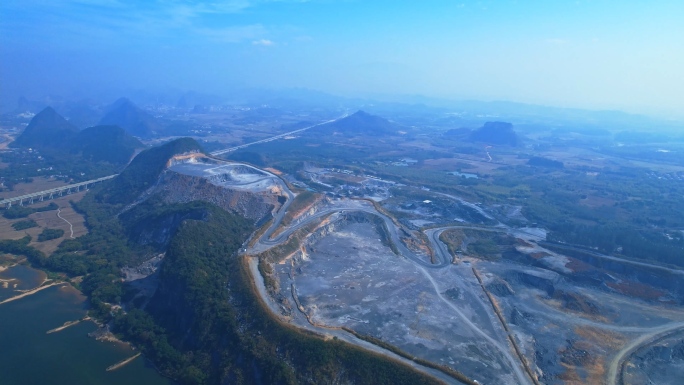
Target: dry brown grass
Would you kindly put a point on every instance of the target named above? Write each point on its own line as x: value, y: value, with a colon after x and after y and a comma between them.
x: 577, y: 266
x: 539, y: 254
x: 596, y: 342
x: 637, y: 290
x: 593, y: 372
x: 48, y: 219
x: 273, y: 170
x: 601, y: 337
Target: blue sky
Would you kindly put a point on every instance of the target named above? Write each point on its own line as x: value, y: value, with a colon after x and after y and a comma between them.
x: 625, y: 55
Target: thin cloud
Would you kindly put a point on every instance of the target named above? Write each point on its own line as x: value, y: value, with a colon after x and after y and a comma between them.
x: 264, y: 42
x: 120, y: 20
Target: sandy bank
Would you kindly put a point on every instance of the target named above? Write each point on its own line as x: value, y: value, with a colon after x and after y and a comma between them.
x: 31, y: 292
x: 123, y: 363
x: 66, y: 325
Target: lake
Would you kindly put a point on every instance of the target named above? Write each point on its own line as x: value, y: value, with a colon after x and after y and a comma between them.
x: 30, y: 356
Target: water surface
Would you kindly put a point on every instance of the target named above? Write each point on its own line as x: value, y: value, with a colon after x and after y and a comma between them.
x: 30, y: 356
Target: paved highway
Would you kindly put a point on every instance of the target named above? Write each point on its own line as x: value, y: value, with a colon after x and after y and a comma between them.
x: 227, y: 150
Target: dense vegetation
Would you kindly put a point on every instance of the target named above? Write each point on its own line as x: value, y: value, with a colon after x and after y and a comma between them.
x: 50, y: 234
x: 17, y: 211
x: 104, y: 144
x: 21, y: 247
x: 23, y: 225
x: 154, y: 223
x: 539, y: 161
x: 623, y: 240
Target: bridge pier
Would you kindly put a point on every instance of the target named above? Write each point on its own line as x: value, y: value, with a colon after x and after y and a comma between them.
x: 50, y: 194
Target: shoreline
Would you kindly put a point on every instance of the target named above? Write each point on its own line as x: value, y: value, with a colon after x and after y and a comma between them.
x: 7, y: 267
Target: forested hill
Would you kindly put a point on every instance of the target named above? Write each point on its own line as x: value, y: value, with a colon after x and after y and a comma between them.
x: 104, y: 143
x: 46, y: 129
x: 144, y: 170
x: 496, y: 133
x: 361, y: 123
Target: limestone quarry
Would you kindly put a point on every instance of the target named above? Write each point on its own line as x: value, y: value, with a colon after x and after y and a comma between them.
x: 473, y: 296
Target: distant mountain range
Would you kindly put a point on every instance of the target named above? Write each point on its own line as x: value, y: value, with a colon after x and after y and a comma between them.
x: 135, y: 121
x: 49, y: 131
x: 467, y: 113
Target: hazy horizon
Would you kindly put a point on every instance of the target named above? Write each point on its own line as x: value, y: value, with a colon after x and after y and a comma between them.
x: 601, y: 56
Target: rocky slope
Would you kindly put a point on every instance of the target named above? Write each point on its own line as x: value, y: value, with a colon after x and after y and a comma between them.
x: 178, y: 188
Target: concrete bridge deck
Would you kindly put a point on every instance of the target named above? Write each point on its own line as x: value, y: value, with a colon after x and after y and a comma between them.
x: 40, y: 195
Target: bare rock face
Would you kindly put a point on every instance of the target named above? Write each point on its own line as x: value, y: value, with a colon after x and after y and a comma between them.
x: 179, y: 188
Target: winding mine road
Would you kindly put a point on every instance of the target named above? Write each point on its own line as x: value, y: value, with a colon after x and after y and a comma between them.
x: 265, y: 242
x: 643, y: 340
